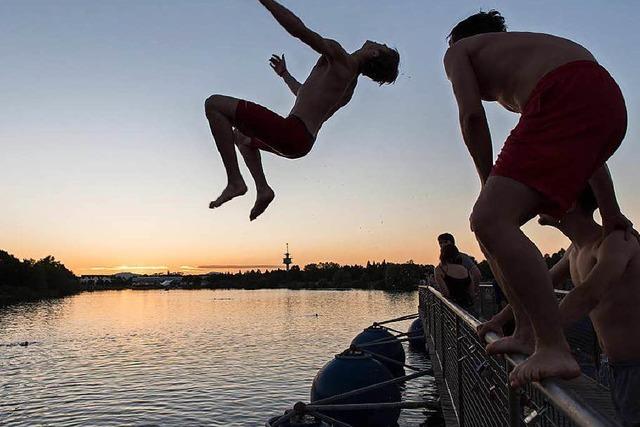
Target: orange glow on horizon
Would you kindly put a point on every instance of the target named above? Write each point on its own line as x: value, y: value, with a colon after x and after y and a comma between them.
x: 421, y: 251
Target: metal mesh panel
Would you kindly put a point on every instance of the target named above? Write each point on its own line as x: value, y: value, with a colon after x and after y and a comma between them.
x: 534, y: 400
x: 476, y: 382
x: 450, y: 354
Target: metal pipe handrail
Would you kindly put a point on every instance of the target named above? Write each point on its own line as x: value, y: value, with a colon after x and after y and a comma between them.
x: 490, y: 285
x: 387, y: 359
x: 570, y: 405
x: 372, y: 387
x: 369, y: 406
x: 398, y: 319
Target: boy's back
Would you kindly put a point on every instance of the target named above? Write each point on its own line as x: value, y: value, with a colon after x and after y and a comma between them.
x: 508, y: 65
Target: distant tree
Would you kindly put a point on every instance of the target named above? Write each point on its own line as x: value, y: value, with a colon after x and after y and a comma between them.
x: 30, y: 279
x: 12, y: 271
x: 550, y: 260
x: 554, y: 258
x: 401, y: 277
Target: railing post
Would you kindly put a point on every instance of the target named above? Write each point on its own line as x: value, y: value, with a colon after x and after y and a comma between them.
x: 515, y: 409
x: 442, y: 342
x: 460, y: 369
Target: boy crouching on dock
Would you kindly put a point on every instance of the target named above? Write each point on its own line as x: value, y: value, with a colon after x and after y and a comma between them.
x: 606, y: 275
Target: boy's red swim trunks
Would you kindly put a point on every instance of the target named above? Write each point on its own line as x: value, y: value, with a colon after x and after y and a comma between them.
x: 574, y: 120
x: 287, y: 137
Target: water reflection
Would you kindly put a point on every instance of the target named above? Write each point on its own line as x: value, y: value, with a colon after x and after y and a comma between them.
x: 182, y: 357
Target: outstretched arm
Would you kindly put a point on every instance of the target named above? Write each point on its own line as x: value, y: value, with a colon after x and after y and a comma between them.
x: 612, y: 218
x: 614, y: 255
x: 297, y: 29
x: 280, y: 67
x: 473, y: 121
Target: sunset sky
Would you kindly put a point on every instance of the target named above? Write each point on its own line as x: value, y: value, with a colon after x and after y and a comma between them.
x: 108, y: 164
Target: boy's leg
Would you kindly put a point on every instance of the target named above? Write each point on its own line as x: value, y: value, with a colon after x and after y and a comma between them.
x: 525, y: 274
x: 252, y: 159
x: 522, y: 339
x: 220, y: 112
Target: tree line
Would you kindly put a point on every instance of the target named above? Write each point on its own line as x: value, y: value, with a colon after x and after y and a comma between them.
x: 30, y: 279
x: 48, y: 278
x: 324, y: 275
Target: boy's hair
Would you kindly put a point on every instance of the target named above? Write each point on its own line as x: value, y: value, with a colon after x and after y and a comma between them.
x: 450, y: 255
x: 446, y: 236
x: 586, y: 201
x: 481, y: 22
x: 384, y: 67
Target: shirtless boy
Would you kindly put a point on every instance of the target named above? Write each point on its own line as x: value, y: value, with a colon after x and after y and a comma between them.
x: 573, y: 117
x: 329, y: 87
x: 606, y: 275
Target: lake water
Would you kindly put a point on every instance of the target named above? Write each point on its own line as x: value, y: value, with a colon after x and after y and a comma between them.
x: 207, y: 357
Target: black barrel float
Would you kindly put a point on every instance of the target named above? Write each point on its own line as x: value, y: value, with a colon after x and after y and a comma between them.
x: 380, y: 341
x: 352, y: 370
x: 416, y: 335
x: 298, y: 421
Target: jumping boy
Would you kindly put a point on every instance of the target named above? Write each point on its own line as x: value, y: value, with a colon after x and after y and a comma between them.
x: 573, y: 117
x: 329, y: 87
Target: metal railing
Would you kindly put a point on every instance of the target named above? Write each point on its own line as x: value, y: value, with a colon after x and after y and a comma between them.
x: 477, y: 386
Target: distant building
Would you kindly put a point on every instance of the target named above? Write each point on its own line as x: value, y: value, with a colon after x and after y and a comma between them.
x: 157, y: 280
x: 125, y: 276
x: 92, y: 278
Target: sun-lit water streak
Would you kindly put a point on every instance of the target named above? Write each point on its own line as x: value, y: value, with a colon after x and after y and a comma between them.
x: 231, y: 358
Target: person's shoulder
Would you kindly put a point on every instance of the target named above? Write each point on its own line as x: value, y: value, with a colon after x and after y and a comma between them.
x: 454, y: 54
x: 462, y: 50
x: 616, y: 244
x: 335, y: 52
x: 467, y: 256
x: 571, y: 251
x: 467, y: 259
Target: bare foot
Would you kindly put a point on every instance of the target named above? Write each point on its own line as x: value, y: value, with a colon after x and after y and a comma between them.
x: 232, y: 190
x: 516, y: 343
x: 492, y: 325
x: 544, y: 363
x: 263, y: 199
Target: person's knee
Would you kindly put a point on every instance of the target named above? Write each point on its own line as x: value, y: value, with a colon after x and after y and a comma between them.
x: 212, y: 104
x: 483, y: 224
x: 298, y: 151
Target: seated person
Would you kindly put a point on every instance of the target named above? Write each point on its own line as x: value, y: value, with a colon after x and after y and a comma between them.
x: 453, y: 278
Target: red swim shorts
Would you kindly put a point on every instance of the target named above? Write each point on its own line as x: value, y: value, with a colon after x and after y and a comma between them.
x: 287, y: 137
x: 573, y: 122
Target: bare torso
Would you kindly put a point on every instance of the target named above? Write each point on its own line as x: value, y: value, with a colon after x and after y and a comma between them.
x: 328, y: 88
x: 616, y: 318
x: 509, y: 65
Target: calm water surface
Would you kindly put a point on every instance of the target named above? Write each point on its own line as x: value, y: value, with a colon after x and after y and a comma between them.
x: 219, y: 358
